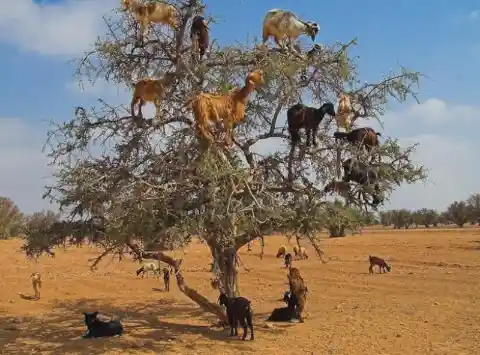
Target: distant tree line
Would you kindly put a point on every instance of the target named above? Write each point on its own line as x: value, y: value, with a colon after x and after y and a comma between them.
x: 459, y: 213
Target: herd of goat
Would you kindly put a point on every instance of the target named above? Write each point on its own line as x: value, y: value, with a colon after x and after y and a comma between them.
x: 229, y: 108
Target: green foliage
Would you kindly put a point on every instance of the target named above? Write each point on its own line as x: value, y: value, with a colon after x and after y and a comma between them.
x: 11, y: 219
x: 458, y: 213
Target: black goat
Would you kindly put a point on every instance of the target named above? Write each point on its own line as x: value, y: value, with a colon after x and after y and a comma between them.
x: 364, y: 136
x: 199, y: 35
x: 283, y: 314
x: 288, y: 260
x: 166, y: 279
x: 97, y: 328
x: 362, y: 174
x: 238, y: 311
x: 301, y: 116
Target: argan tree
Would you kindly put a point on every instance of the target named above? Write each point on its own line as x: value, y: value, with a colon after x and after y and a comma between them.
x: 147, y: 180
x: 11, y: 218
x: 458, y: 212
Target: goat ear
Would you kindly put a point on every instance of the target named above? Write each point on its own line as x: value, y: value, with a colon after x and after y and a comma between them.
x: 94, y: 314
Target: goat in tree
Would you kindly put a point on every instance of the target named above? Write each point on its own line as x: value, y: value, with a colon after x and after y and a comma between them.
x: 300, y: 116
x: 364, y: 136
x: 229, y: 107
x: 199, y: 36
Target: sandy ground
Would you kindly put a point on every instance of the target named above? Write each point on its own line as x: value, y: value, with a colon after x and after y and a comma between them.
x: 429, y: 304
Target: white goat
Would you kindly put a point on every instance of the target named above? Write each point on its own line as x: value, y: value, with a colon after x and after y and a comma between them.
x: 152, y: 12
x: 285, y: 25
x: 36, y: 284
x: 149, y: 266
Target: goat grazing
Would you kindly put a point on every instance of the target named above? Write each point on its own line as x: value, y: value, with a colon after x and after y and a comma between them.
x: 97, y: 328
x: 364, y: 136
x: 36, y: 284
x: 285, y: 25
x: 288, y: 260
x: 150, y: 90
x: 199, y: 35
x: 345, y: 112
x: 298, y: 291
x: 282, y: 251
x: 166, y: 279
x: 382, y: 264
x: 238, y: 311
x: 229, y: 107
x: 301, y: 116
x: 149, y: 266
x: 152, y: 12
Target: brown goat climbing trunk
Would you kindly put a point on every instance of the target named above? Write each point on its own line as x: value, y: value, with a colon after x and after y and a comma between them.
x: 203, y: 302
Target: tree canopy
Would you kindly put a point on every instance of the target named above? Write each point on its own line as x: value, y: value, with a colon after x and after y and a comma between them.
x: 149, y: 180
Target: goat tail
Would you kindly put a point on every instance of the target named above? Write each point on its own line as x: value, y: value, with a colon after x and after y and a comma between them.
x: 340, y: 135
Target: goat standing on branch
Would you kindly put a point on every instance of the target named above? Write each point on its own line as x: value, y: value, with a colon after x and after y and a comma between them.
x: 199, y: 36
x: 345, y: 112
x: 229, y: 107
x: 283, y: 24
x: 150, y: 90
x: 364, y: 136
x: 301, y: 116
x: 152, y: 12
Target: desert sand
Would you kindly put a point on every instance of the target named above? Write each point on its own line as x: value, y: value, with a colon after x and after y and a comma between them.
x: 428, y: 304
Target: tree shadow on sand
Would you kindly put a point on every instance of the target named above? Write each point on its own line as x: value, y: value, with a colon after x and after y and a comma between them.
x: 156, y: 326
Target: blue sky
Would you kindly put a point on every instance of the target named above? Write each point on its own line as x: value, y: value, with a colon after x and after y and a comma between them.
x: 439, y: 38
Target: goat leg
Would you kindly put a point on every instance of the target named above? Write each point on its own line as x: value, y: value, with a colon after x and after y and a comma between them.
x: 250, y: 325
x: 243, y: 323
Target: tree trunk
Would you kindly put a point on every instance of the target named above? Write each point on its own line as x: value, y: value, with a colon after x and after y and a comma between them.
x: 262, y: 245
x: 203, y: 302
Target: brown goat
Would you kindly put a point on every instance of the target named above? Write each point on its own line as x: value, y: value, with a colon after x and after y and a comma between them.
x: 299, y: 290
x: 152, y: 12
x: 199, y: 36
x: 150, y: 90
x: 36, y: 284
x: 382, y: 264
x: 364, y: 136
x: 301, y: 116
x: 229, y: 107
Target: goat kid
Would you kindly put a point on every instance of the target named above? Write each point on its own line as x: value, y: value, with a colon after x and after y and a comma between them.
x: 300, y: 116
x: 150, y: 90
x: 381, y: 263
x: 238, y: 311
x: 149, y: 266
x: 229, y: 107
x: 152, y: 12
x: 285, y: 25
x: 364, y: 136
x: 288, y: 260
x: 36, y: 284
x: 345, y: 112
x: 166, y: 279
x: 199, y: 35
x: 97, y: 328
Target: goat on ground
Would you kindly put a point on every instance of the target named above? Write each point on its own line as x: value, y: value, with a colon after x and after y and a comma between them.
x: 364, y: 136
x: 301, y: 116
x: 150, y: 90
x: 229, y: 107
x: 238, y: 311
x: 282, y: 314
x: 300, y: 252
x: 282, y: 251
x: 166, y: 279
x: 149, y: 266
x: 36, y: 284
x: 285, y: 25
x: 298, y: 291
x: 288, y: 260
x: 199, y: 36
x: 381, y: 263
x: 152, y: 12
x: 97, y: 328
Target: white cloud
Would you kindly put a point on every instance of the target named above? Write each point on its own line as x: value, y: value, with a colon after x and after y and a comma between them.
x: 68, y: 28
x: 23, y: 165
x: 474, y: 15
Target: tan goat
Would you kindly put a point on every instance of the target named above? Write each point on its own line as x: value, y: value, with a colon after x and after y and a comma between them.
x: 150, y: 90
x: 152, y: 12
x: 229, y: 107
x: 345, y: 112
x: 36, y: 284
